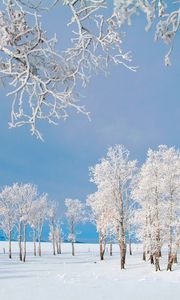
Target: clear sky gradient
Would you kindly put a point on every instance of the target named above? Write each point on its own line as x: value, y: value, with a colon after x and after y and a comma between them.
x: 139, y: 110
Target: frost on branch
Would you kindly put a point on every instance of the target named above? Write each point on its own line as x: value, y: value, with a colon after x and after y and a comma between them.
x: 166, y: 16
x: 42, y: 82
x: 97, y: 40
x: 39, y: 78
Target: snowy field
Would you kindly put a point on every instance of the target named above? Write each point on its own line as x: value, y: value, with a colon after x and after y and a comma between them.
x: 84, y: 277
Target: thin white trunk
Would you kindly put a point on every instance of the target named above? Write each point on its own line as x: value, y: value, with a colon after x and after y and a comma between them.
x: 24, y: 256
x: 34, y: 240
x: 20, y: 240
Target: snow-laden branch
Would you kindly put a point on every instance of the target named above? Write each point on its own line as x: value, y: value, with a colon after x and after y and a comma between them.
x: 164, y: 14
x: 42, y: 81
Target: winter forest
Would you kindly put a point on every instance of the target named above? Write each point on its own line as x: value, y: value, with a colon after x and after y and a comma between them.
x: 130, y: 203
x: 89, y: 159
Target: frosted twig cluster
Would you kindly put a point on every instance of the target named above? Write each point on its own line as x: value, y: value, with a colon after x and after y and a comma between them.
x: 42, y: 81
x: 164, y: 14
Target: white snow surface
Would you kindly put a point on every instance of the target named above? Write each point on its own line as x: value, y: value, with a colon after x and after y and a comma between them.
x: 84, y: 277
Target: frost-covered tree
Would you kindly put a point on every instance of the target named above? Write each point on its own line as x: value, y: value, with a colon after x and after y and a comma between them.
x: 8, y: 216
x: 102, y: 214
x: 171, y: 195
x: 58, y: 237
x: 55, y: 236
x: 53, y: 220
x: 38, y: 215
x: 23, y: 197
x: 33, y: 221
x: 115, y: 172
x: 28, y: 194
x: 42, y: 215
x: 156, y: 190
x: 75, y: 214
x: 21, y: 207
x: 148, y: 192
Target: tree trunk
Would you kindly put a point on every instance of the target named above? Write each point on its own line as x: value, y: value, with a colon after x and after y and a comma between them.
x: 111, y: 248
x: 175, y: 258
x: 10, y: 252
x: 151, y: 259
x: 39, y: 248
x: 170, y: 263
x: 144, y: 255
x: 177, y: 248
x: 122, y: 246
x: 24, y: 257
x: 156, y: 259
x: 73, y: 237
x: 73, y: 250
x: 170, y: 244
x: 158, y: 238
x: 39, y: 240
x: 159, y: 252
x: 59, y: 245
x: 20, y: 240
x: 58, y: 241
x: 34, y: 240
x: 102, y: 248
x: 122, y: 235
x: 144, y: 251
x: 130, y: 248
x: 54, y: 244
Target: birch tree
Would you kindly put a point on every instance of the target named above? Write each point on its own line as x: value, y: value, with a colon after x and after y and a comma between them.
x: 8, y: 217
x: 17, y: 196
x: 75, y: 214
x: 52, y: 217
x: 38, y: 215
x: 55, y: 236
x: 42, y: 215
x: 102, y: 215
x: 149, y: 189
x: 58, y: 237
x: 33, y: 221
x: 116, y: 171
x: 28, y: 193
x: 171, y: 188
x: 157, y: 192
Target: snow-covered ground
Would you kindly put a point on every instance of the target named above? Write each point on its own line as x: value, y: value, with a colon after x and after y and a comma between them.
x: 84, y: 277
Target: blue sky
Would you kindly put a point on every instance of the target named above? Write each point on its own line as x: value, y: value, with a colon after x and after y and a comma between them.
x: 139, y: 110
